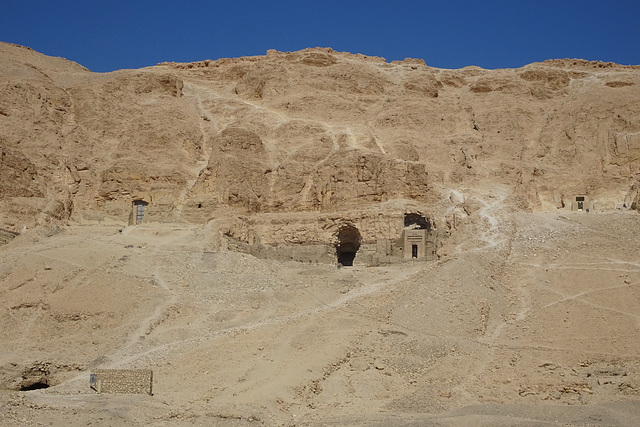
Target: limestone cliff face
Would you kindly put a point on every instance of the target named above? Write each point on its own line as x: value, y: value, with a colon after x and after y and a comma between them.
x: 309, y: 131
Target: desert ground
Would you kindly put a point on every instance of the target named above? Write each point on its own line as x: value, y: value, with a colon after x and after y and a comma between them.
x: 532, y: 319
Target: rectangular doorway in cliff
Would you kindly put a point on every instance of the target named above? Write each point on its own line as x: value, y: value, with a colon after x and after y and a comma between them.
x: 138, y: 210
x: 581, y: 203
x: 416, y: 230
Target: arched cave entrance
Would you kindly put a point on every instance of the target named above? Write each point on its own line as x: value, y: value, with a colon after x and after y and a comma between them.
x: 348, y: 244
x: 416, y: 221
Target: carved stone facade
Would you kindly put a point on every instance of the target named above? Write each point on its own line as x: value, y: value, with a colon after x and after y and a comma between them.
x: 353, y: 238
x: 581, y: 203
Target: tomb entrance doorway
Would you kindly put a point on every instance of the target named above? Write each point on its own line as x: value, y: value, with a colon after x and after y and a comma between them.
x: 138, y: 210
x: 348, y: 243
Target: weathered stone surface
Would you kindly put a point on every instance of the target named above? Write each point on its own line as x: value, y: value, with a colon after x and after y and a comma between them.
x: 308, y: 131
x: 123, y: 381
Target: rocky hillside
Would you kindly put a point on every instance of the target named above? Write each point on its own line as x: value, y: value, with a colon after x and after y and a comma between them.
x: 528, y: 315
x: 314, y: 131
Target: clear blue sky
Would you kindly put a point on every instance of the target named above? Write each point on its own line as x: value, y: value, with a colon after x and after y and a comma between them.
x: 108, y: 35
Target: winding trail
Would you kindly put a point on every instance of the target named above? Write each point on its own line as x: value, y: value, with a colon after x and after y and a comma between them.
x: 208, y: 127
x: 493, y: 236
x: 147, y: 325
x: 324, y: 307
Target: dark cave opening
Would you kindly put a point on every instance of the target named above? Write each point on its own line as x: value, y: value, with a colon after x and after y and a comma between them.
x: 416, y: 221
x: 34, y: 386
x: 346, y: 258
x: 348, y: 244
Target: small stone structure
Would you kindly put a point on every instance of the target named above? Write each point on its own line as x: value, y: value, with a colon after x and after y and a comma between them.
x: 419, y: 242
x: 138, y: 211
x: 581, y: 202
x: 414, y: 244
x: 122, y: 381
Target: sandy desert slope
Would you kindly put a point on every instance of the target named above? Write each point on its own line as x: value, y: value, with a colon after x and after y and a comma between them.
x: 540, y: 327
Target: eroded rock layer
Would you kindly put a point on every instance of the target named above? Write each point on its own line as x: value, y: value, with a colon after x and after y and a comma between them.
x: 315, y: 132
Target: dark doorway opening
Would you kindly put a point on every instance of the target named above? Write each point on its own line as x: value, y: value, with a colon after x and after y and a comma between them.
x: 346, y: 258
x: 34, y: 386
x: 138, y: 210
x: 347, y: 245
x: 416, y: 221
x: 414, y: 251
